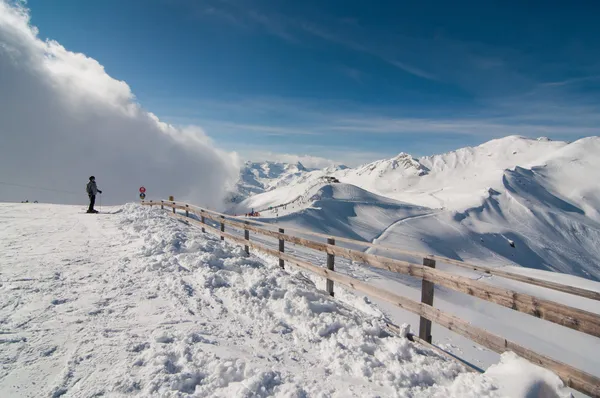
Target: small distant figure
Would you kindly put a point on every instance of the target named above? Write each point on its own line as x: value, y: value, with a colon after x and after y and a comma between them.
x: 92, y: 190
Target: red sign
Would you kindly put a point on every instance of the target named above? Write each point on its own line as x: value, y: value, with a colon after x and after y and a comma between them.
x: 142, y: 189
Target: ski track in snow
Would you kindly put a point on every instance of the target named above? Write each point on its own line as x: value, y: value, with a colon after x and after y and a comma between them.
x: 384, y: 233
x: 138, y: 303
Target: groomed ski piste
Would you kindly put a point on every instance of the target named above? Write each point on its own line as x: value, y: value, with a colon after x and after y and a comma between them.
x: 137, y: 303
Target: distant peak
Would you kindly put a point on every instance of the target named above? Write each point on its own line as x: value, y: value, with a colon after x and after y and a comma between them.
x: 299, y: 166
x: 406, y: 161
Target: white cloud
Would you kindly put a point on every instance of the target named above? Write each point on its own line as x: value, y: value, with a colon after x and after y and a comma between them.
x: 63, y: 118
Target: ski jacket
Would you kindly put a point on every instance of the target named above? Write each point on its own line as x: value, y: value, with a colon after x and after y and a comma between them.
x: 91, y: 188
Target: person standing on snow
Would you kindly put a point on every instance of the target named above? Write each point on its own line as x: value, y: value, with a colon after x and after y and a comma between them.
x: 92, y: 190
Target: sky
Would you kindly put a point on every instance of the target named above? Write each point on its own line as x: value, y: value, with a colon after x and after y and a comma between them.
x: 351, y: 81
x: 63, y: 119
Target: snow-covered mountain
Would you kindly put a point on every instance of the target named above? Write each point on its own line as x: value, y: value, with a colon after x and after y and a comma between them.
x: 537, y: 195
x: 259, y: 177
x: 453, y: 180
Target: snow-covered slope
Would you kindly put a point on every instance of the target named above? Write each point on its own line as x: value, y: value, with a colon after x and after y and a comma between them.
x: 549, y: 211
x: 540, y: 195
x: 137, y: 303
x: 455, y: 180
x: 346, y: 210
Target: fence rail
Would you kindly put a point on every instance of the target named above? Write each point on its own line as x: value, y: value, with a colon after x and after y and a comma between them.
x: 573, y: 318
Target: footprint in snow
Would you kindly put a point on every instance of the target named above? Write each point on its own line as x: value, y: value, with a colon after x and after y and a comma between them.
x: 49, y: 351
x: 138, y: 347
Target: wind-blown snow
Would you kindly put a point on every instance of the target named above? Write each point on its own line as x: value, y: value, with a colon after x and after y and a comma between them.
x: 137, y: 303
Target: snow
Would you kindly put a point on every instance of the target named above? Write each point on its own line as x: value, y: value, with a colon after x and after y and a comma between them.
x: 529, y: 206
x: 536, y: 194
x: 346, y: 210
x: 259, y: 177
x: 137, y: 303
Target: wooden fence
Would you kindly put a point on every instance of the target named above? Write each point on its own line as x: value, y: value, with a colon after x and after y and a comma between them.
x: 573, y: 318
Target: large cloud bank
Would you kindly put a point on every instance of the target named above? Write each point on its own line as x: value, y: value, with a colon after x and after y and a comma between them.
x: 63, y: 118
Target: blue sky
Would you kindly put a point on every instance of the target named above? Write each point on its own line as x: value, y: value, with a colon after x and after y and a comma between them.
x: 347, y: 80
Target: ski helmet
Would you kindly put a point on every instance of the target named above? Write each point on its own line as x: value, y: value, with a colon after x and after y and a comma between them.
x: 92, y: 178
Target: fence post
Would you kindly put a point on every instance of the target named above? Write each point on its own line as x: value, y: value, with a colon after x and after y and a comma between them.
x: 187, y: 210
x: 426, y: 298
x: 162, y: 205
x: 330, y: 266
x: 222, y: 226
x: 202, y: 219
x: 174, y: 207
x: 281, y: 249
x: 247, y: 237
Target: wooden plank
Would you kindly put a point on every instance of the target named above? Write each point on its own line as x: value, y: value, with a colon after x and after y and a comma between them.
x: 593, y: 295
x: 202, y: 220
x: 590, y: 294
x: 574, y: 378
x: 427, y: 289
x: 281, y: 248
x: 247, y: 237
x: 330, y: 266
x: 222, y: 227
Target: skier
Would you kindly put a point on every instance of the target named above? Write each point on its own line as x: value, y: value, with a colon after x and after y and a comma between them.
x: 92, y: 190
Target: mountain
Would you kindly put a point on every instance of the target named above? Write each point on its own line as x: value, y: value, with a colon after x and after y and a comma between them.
x: 260, y: 177
x: 453, y: 180
x: 509, y: 201
x: 257, y: 177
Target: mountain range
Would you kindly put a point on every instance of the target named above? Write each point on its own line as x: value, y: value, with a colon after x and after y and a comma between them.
x: 510, y: 201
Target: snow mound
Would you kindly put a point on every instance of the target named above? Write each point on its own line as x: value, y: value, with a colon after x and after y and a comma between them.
x: 343, y: 210
x: 519, y: 378
x: 349, y: 192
